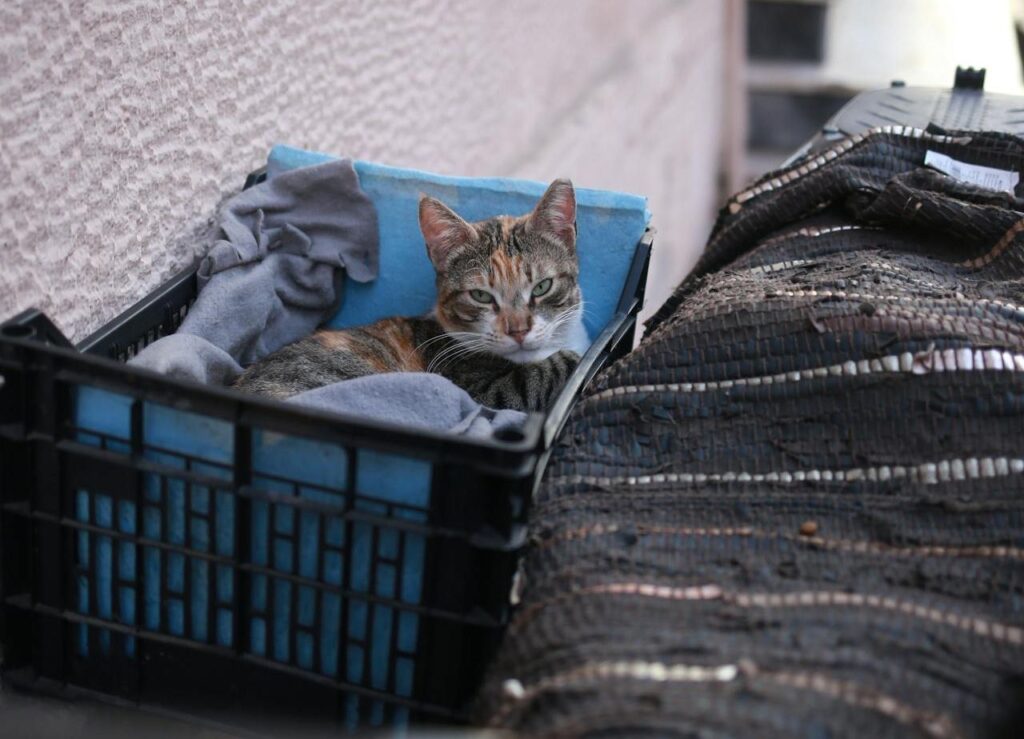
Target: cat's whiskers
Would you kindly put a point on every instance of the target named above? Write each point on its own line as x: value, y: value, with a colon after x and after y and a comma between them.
x: 456, y: 351
x: 463, y: 343
x: 475, y: 340
x: 455, y: 336
x: 563, y: 320
x: 454, y: 355
x: 416, y: 349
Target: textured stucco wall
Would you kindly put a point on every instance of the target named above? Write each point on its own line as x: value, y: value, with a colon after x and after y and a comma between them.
x: 123, y: 124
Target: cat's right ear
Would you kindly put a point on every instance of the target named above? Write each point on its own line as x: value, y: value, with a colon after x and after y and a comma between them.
x: 443, y: 230
x: 555, y: 214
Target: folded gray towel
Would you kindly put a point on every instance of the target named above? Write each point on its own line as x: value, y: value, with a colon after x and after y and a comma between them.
x: 276, y: 276
x: 414, y: 400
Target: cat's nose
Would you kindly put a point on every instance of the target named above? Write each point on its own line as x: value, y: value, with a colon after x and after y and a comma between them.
x: 517, y: 326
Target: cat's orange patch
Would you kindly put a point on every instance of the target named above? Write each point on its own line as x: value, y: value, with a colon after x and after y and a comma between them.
x: 396, y: 334
x: 334, y: 340
x: 351, y: 343
x: 504, y: 268
x: 386, y: 346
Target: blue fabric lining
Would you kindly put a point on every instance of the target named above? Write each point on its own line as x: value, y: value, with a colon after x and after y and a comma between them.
x: 609, y: 226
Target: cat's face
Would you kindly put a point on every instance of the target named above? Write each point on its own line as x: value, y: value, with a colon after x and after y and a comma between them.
x: 508, y: 286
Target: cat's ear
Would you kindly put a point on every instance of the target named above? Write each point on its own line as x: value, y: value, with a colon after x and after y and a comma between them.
x: 555, y: 214
x: 443, y: 230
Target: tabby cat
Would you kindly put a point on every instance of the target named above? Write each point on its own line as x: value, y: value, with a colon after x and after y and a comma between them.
x: 507, y: 326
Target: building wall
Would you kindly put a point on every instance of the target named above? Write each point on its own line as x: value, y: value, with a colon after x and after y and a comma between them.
x: 123, y: 124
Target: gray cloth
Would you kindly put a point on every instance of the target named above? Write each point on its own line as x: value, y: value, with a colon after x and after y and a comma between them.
x: 189, y: 357
x: 275, y: 276
x: 276, y: 273
x: 412, y: 399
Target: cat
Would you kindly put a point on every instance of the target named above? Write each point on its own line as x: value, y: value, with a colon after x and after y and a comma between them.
x: 507, y: 326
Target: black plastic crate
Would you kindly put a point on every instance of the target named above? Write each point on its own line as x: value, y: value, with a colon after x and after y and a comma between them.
x: 134, y: 570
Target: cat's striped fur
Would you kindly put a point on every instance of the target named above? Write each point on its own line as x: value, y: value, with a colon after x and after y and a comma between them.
x: 507, y: 326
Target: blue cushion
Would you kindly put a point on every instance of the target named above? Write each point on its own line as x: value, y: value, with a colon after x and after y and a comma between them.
x: 609, y: 226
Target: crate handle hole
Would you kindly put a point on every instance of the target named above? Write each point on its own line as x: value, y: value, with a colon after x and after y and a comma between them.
x: 18, y: 331
x: 509, y: 434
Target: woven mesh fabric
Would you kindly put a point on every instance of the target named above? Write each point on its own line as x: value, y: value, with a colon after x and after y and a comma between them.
x: 797, y: 509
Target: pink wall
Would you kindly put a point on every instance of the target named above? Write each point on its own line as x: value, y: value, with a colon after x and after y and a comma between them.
x: 123, y: 125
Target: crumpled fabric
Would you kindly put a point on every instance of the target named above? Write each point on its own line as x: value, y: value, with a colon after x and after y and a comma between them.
x: 275, y: 274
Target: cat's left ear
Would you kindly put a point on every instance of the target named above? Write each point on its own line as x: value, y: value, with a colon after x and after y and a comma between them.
x: 555, y: 214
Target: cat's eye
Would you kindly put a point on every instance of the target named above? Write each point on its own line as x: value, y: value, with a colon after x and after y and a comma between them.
x: 541, y: 288
x: 481, y: 296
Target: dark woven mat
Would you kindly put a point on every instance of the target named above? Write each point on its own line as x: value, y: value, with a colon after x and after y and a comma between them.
x: 798, y: 508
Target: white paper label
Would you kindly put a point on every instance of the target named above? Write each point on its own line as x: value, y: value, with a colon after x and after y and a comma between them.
x: 975, y: 174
